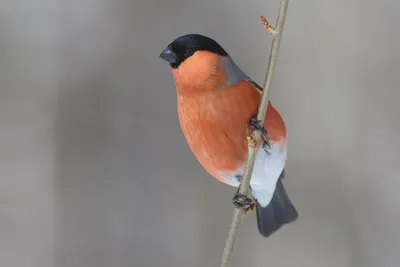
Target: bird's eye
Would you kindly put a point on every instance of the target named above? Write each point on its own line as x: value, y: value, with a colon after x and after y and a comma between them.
x: 188, y: 53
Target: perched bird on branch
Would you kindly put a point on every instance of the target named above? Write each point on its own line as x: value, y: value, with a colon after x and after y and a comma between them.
x: 217, y: 105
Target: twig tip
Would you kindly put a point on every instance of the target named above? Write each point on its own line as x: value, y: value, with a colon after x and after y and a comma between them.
x: 267, y: 25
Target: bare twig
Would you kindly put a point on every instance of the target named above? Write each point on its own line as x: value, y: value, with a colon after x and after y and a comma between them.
x: 256, y: 136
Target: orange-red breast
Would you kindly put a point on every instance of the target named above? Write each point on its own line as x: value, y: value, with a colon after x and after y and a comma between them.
x: 217, y: 103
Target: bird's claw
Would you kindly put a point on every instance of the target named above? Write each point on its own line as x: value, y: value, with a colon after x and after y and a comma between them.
x: 243, y: 202
x: 256, y: 125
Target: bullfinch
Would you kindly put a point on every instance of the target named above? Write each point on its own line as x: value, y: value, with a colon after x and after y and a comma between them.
x: 217, y: 104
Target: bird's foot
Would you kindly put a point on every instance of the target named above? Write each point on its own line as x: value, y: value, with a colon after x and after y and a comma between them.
x: 251, y: 208
x: 244, y: 202
x: 256, y: 125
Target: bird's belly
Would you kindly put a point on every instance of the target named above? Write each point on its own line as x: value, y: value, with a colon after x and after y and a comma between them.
x: 217, y: 151
x: 215, y: 125
x: 224, y: 157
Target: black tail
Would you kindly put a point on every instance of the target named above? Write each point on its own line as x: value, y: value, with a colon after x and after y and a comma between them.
x: 279, y: 211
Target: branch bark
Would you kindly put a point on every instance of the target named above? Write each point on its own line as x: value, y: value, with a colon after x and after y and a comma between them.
x: 244, y: 187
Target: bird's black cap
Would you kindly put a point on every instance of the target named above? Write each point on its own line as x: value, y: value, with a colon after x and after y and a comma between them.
x: 185, y: 46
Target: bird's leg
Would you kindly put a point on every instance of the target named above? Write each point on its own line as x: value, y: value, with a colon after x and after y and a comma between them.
x: 243, y: 202
x: 257, y: 126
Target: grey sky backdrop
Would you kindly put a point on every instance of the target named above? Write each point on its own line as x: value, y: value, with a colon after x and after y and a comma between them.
x: 94, y: 171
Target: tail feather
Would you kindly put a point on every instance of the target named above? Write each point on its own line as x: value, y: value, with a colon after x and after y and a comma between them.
x: 279, y: 211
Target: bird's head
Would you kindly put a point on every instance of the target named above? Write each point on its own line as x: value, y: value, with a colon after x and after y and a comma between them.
x: 195, y: 61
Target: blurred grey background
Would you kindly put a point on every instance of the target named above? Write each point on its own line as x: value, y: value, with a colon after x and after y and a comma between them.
x: 94, y: 170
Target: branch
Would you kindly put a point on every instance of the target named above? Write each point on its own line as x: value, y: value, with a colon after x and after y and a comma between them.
x: 255, y: 138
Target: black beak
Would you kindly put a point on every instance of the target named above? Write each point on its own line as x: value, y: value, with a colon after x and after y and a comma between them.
x: 168, y: 56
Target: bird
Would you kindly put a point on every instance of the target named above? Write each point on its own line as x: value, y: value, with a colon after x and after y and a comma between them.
x: 217, y: 104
